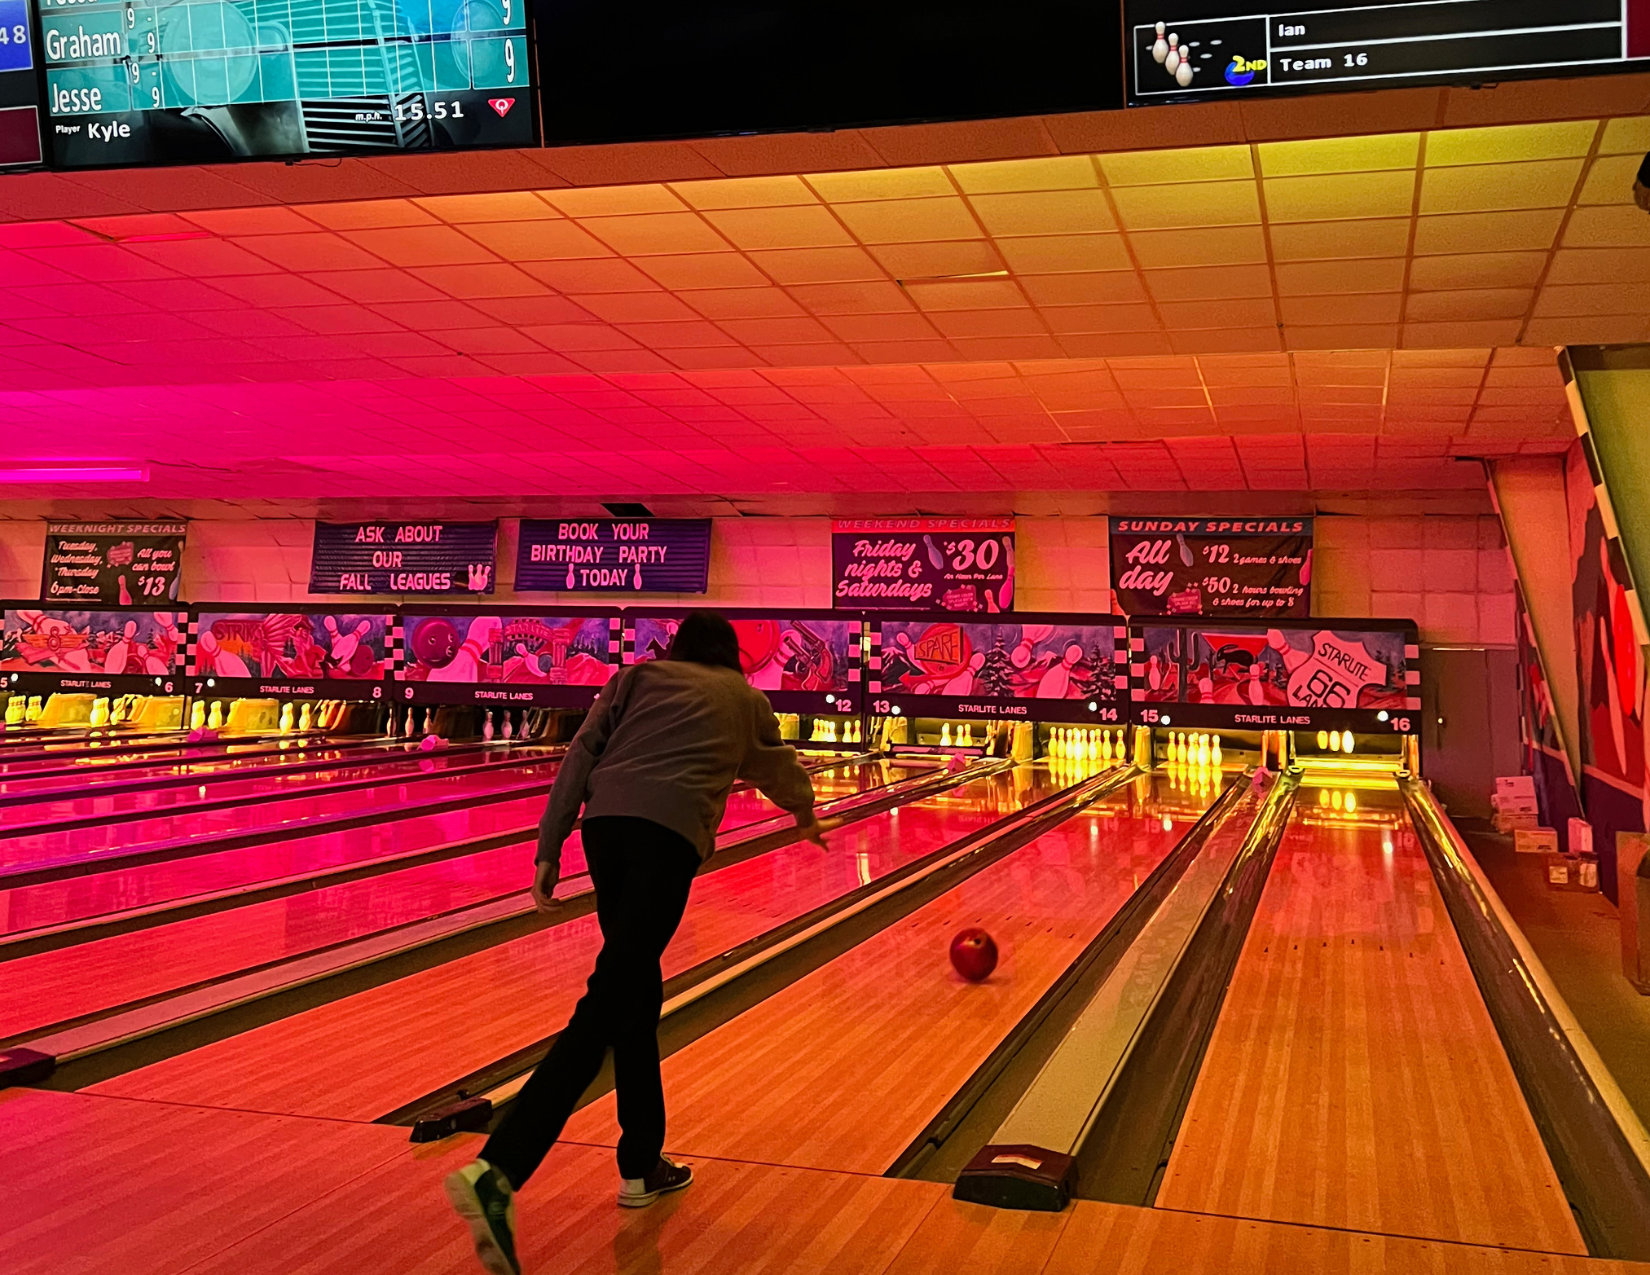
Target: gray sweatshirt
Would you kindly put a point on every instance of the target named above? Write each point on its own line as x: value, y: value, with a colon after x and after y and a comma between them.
x: 665, y: 741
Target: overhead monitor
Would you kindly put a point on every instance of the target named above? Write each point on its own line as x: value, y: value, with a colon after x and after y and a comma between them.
x: 134, y: 82
x: 651, y: 69
x: 1202, y: 50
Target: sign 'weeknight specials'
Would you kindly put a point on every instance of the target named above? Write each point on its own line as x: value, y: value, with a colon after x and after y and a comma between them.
x: 113, y: 563
x: 1256, y: 567
x: 618, y: 555
x: 923, y: 564
x: 403, y: 557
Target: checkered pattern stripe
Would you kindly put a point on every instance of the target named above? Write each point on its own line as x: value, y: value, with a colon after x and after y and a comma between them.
x: 1412, y: 675
x: 627, y: 642
x: 873, y: 660
x: 1120, y: 660
x: 191, y: 636
x: 395, y: 646
x: 856, y: 644
x: 615, y: 639
x: 1606, y: 510
x: 1136, y: 658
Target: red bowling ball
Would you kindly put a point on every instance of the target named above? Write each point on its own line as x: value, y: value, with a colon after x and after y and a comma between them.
x: 973, y: 954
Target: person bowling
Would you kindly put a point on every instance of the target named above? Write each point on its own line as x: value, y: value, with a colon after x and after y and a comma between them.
x: 652, y: 766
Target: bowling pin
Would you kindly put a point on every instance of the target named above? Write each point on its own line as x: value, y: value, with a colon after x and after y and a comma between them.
x: 214, y: 719
x: 1057, y: 681
x: 1171, y: 59
x: 1160, y: 50
x: 1334, y: 741
x: 1346, y: 741
x: 1214, y: 751
x: 945, y: 735
x: 1323, y: 740
x: 487, y: 727
x: 1105, y: 745
x: 197, y: 715
x: 37, y: 708
x: 1183, y: 76
x: 285, y: 726
x: 306, y: 718
x: 1257, y: 692
x: 100, y: 711
x: 116, y: 661
x: 510, y: 726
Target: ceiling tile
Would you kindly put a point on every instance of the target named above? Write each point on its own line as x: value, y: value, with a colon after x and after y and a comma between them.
x: 613, y: 201
x: 1507, y: 143
x: 1060, y: 254
x: 1340, y: 196
x: 1166, y: 207
x: 759, y: 228
x: 1492, y: 187
x: 1236, y: 245
x: 1056, y: 212
x: 1151, y: 168
x: 1384, y: 274
x: 1339, y: 155
x: 1320, y: 241
x: 1471, y: 232
x: 1064, y: 172
x: 744, y: 192
x: 655, y: 233
x: 909, y: 220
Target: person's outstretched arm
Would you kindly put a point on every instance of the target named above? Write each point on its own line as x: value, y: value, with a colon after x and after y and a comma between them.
x: 771, y: 764
x: 573, y: 783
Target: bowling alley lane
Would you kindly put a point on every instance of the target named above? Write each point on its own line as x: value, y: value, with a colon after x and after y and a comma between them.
x: 1354, y: 1078
x: 81, y: 802
x: 846, y: 1067
x: 363, y: 1056
x: 87, y: 978
x: 140, y: 887
x: 388, y: 801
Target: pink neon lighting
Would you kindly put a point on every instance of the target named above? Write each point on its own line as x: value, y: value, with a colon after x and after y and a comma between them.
x: 76, y: 474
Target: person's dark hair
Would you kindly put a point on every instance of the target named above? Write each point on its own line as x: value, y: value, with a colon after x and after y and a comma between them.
x: 705, y: 637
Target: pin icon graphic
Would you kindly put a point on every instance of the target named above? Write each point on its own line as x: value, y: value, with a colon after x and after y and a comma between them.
x: 501, y: 104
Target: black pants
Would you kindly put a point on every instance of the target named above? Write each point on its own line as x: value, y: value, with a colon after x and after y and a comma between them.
x: 642, y: 872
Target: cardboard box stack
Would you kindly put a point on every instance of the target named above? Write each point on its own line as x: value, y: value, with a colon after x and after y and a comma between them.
x: 1514, y: 804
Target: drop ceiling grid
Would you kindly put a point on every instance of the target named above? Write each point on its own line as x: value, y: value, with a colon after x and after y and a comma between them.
x: 421, y: 286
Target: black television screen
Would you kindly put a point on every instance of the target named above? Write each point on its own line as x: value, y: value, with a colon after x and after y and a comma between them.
x: 133, y: 82
x: 650, y: 70
x: 1240, y: 47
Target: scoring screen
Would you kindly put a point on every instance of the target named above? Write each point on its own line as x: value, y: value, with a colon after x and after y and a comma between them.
x: 1190, y: 50
x: 201, y: 81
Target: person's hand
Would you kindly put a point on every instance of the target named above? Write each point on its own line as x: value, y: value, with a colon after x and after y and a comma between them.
x: 814, y: 830
x: 545, y: 876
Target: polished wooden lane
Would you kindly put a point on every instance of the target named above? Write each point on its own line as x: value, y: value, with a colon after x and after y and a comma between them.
x: 94, y: 1185
x: 149, y: 885
x: 145, y: 886
x: 97, y: 1185
x: 131, y: 837
x: 846, y: 1067
x: 84, y: 802
x: 70, y: 982
x: 368, y: 1054
x: 1354, y: 1078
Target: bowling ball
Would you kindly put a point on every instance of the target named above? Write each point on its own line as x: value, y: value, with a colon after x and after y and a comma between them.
x: 973, y: 954
x: 435, y: 643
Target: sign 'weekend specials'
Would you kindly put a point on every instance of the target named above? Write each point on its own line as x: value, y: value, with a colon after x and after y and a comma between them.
x: 403, y: 557
x: 923, y: 564
x: 613, y: 555
x: 1259, y: 567
x: 112, y: 563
